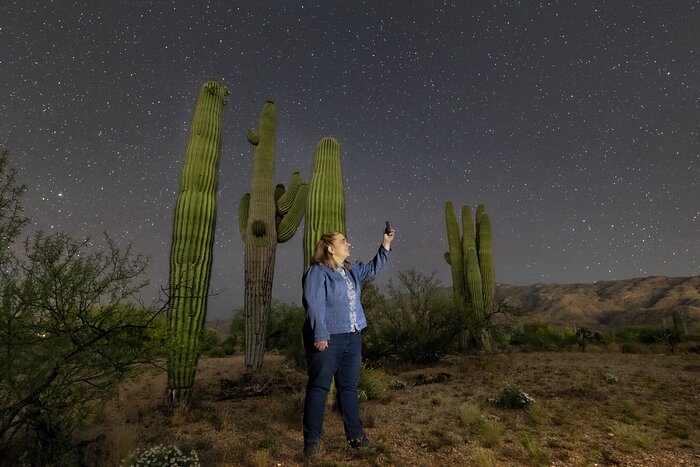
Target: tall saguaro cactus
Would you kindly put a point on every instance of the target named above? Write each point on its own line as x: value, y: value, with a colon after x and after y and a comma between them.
x: 268, y: 215
x: 473, y: 273
x: 325, y: 207
x: 192, y: 243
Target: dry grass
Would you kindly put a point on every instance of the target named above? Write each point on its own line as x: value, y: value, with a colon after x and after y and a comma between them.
x: 648, y: 414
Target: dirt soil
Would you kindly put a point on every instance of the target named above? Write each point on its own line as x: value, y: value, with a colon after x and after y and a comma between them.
x: 593, y: 408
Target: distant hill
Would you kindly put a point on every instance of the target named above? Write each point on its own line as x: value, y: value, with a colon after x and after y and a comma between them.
x: 633, y: 302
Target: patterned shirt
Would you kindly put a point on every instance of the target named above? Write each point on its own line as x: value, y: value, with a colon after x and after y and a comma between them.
x: 352, y: 298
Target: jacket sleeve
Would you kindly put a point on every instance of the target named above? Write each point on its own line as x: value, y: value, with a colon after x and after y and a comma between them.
x: 371, y: 269
x: 314, y: 300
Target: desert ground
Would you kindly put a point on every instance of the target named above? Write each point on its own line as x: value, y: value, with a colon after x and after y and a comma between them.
x: 601, y: 407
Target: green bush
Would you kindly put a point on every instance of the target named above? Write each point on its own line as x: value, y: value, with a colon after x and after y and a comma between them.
x: 416, y: 323
x: 639, y: 335
x: 237, y: 329
x: 374, y: 382
x: 229, y: 345
x: 71, y: 331
x: 512, y: 397
x: 209, y: 341
x: 538, y: 336
x: 216, y: 352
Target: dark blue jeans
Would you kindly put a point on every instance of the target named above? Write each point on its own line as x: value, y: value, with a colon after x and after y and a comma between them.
x: 341, y: 360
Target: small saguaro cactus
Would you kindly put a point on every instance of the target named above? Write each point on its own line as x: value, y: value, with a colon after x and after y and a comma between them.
x: 268, y: 215
x: 192, y: 243
x: 325, y: 207
x: 473, y: 274
x: 674, y: 335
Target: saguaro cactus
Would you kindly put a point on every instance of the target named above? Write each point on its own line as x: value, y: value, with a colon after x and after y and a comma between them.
x: 325, y: 207
x: 268, y: 215
x: 473, y: 272
x: 192, y: 243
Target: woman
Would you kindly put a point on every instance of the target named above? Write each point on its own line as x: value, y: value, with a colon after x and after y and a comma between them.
x: 332, y: 335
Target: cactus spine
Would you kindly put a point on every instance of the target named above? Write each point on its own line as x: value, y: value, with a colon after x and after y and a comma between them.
x: 268, y: 215
x: 192, y: 243
x: 325, y: 207
x: 473, y: 273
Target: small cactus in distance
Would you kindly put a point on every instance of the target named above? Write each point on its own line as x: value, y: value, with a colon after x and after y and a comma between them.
x: 470, y: 256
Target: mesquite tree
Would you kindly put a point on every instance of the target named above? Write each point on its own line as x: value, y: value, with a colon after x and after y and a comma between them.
x: 71, y: 331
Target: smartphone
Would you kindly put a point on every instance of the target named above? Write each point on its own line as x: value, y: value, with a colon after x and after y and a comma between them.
x: 387, y: 229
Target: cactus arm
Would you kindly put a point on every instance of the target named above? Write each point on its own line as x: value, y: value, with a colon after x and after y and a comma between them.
x: 284, y: 203
x: 455, y: 252
x: 480, y: 209
x: 486, y: 263
x: 279, y: 191
x: 474, y: 283
x: 468, y: 239
x: 290, y: 222
x: 252, y: 137
x: 243, y: 207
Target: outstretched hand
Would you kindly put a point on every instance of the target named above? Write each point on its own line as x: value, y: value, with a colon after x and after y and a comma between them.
x: 388, y: 238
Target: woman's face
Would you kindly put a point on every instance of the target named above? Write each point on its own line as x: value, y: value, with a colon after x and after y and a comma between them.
x: 340, y: 248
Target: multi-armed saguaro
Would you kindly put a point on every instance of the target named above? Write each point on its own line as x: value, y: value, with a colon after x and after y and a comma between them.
x: 473, y: 272
x: 325, y: 207
x: 192, y: 243
x: 268, y: 215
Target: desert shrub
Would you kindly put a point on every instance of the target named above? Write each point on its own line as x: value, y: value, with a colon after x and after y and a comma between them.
x: 209, y: 342
x: 415, y: 323
x: 611, y: 378
x: 491, y: 432
x: 469, y: 414
x: 537, y: 414
x: 237, y: 329
x: 374, y: 382
x: 639, y: 335
x: 71, y: 329
x: 512, y: 397
x: 538, y: 336
x: 533, y: 450
x: 161, y: 455
x: 630, y: 437
x: 216, y: 352
x: 482, y: 457
x: 285, y: 331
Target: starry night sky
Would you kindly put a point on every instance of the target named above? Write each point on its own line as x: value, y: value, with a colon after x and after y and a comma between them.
x: 575, y: 122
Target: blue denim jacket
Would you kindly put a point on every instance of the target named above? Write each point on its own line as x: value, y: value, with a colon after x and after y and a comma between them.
x: 326, y: 296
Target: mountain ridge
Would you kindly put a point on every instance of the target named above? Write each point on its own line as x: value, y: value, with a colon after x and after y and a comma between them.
x: 642, y: 301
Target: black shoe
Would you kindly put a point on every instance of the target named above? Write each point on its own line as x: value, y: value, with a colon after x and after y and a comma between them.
x: 312, y: 449
x: 361, y: 442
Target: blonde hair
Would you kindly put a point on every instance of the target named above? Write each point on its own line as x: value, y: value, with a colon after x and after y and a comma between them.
x: 321, y: 253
